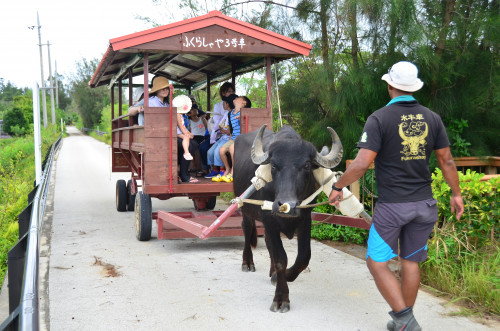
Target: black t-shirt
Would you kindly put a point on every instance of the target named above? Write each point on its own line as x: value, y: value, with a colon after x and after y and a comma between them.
x: 403, y: 134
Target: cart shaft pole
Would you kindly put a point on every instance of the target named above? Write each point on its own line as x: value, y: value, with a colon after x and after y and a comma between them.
x: 226, y: 214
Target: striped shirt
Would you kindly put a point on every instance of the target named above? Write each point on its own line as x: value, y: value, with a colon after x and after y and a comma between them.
x: 235, y: 123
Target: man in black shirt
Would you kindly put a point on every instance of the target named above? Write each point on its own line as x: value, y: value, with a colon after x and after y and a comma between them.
x: 400, y: 137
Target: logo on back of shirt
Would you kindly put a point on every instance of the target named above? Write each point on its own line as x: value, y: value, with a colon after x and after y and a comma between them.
x: 364, y: 137
x: 413, y: 130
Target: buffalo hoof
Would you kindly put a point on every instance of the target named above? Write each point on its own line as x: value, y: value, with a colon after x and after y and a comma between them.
x: 274, y: 279
x: 283, y: 308
x: 246, y: 268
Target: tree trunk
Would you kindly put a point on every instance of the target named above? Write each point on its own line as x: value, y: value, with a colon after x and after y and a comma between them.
x: 325, y: 49
x: 353, y: 32
x: 440, y: 45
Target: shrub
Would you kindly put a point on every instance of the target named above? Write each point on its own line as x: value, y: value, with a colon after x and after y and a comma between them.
x: 17, y: 131
x: 480, y: 219
x: 335, y: 232
x: 464, y: 255
x: 324, y: 231
x: 14, y: 122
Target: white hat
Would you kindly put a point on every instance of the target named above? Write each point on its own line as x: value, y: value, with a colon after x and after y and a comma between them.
x: 138, y: 93
x: 182, y: 103
x: 403, y: 76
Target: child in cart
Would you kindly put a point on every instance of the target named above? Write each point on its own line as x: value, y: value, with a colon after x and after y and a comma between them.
x: 233, y: 119
x: 183, y: 104
x: 218, y: 136
x: 198, y: 125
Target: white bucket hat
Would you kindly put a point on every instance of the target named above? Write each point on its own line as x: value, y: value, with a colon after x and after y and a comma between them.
x: 182, y: 103
x: 138, y: 94
x: 403, y: 76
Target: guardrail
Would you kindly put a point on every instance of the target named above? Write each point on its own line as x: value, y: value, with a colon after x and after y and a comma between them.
x: 24, y: 256
x: 101, y: 133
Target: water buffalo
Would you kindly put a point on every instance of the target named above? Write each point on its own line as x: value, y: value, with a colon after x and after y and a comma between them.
x: 292, y: 161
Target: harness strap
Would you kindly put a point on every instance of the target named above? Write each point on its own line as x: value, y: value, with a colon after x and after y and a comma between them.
x: 318, y: 191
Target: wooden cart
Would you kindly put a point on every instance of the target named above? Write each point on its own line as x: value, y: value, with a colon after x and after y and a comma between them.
x: 195, y: 54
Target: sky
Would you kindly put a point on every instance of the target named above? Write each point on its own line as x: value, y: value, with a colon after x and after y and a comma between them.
x: 75, y: 30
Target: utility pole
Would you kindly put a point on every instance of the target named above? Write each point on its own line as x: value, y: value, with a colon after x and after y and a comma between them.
x: 52, y: 105
x: 44, y: 102
x: 57, y: 87
x: 36, y: 134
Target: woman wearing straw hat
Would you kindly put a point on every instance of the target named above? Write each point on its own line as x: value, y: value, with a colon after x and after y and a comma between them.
x: 158, y: 97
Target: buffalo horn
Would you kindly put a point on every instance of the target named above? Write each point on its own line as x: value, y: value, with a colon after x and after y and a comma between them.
x: 258, y: 154
x: 332, y: 159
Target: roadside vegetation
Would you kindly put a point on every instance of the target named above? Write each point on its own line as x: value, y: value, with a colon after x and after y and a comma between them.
x: 17, y: 177
x: 464, y: 256
x: 17, y: 158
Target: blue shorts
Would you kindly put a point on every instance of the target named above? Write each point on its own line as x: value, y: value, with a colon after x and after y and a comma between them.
x: 409, y: 223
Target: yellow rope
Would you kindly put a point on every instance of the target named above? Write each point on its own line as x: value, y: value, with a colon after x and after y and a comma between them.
x: 261, y: 202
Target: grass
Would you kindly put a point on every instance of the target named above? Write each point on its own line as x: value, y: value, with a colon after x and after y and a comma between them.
x: 104, y: 138
x: 227, y: 196
x: 468, y: 272
x: 17, y: 175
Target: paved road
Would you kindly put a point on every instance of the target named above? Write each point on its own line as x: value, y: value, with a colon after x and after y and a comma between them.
x: 97, y: 276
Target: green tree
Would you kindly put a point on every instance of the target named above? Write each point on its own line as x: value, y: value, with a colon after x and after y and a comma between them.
x: 14, y: 122
x: 8, y: 90
x: 63, y: 93
x: 86, y: 101
x: 453, y: 42
x: 24, y: 102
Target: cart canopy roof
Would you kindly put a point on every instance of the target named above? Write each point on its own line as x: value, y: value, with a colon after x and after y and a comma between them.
x: 189, y: 51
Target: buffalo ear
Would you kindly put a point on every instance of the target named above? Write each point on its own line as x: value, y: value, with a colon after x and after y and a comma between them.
x: 332, y: 159
x: 324, y: 151
x: 257, y: 152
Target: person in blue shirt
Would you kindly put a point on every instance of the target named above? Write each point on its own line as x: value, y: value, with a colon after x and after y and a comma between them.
x: 219, y: 132
x: 234, y: 127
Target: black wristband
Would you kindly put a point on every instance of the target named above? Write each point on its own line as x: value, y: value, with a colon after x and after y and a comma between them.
x: 335, y: 188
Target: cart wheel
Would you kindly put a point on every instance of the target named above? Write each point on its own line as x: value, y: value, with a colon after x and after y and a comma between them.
x: 121, y: 195
x: 130, y: 196
x: 199, y: 203
x: 143, y: 216
x: 211, y: 203
x: 204, y: 203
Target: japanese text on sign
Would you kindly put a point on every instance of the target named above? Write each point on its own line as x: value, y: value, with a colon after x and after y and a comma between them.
x: 218, y: 43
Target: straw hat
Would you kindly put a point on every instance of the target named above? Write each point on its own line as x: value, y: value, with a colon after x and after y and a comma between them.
x: 403, y: 76
x: 159, y: 83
